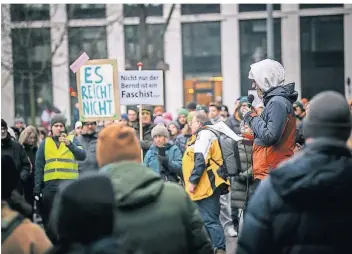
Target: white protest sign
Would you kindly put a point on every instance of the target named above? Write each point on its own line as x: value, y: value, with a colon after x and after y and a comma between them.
x: 98, y: 90
x: 257, y: 100
x: 141, y: 87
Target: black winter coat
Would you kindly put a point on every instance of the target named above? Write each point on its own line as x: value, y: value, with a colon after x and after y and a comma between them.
x: 304, y: 206
x: 240, y: 186
x: 16, y: 151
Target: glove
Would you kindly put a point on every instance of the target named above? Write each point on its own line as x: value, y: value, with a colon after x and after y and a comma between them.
x: 164, y: 160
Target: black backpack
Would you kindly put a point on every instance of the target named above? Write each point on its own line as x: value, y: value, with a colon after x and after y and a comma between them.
x: 230, y: 154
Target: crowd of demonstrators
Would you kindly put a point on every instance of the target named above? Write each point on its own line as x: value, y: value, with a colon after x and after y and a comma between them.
x: 179, y: 189
x: 56, y: 162
x: 301, y: 206
x: 143, y: 201
x: 164, y: 157
x: 18, y: 234
x: 275, y: 128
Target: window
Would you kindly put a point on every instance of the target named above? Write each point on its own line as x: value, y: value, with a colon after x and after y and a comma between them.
x: 253, y: 46
x: 30, y: 12
x: 313, y: 6
x: 322, y: 54
x: 85, y: 11
x: 31, y: 72
x: 201, y: 55
x: 155, y: 46
x: 134, y: 10
x: 256, y: 7
x: 189, y: 9
x: 91, y: 40
x: 201, y: 46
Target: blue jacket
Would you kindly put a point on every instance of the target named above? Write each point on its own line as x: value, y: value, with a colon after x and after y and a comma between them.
x: 304, y: 206
x: 174, y: 160
x: 80, y: 155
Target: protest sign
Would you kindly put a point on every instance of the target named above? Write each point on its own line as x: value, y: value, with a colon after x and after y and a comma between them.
x: 141, y: 87
x: 98, y: 90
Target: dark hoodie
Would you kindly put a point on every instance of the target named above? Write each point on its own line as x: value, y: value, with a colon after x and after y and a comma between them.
x: 274, y: 130
x: 304, y: 206
x: 154, y: 216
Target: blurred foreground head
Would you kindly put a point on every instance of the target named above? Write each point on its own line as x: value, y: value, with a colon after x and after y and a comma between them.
x: 117, y: 143
x: 329, y: 116
x: 83, y: 210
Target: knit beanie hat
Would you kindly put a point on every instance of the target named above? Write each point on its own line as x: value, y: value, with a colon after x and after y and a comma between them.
x: 158, y: 109
x: 183, y: 112
x: 160, y: 130
x: 4, y: 123
x: 9, y: 176
x: 83, y: 210
x: 176, y: 124
x: 299, y: 104
x: 191, y: 115
x: 159, y: 120
x: 167, y: 116
x: 19, y: 120
x: 58, y: 118
x: 329, y: 116
x: 202, y: 107
x: 117, y: 143
x: 124, y: 117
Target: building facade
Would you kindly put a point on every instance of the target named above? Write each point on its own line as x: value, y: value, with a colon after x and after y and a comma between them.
x: 205, y: 52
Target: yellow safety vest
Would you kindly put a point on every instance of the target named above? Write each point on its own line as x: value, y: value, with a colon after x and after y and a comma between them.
x: 60, y: 162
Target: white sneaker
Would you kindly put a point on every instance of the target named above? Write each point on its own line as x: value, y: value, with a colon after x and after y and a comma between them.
x: 231, y: 232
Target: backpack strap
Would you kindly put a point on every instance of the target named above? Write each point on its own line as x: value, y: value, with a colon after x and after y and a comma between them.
x: 6, y: 232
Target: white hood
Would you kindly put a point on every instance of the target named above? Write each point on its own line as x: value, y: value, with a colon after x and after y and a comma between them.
x: 267, y: 74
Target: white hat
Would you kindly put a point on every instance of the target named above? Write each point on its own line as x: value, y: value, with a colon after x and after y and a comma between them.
x: 78, y: 124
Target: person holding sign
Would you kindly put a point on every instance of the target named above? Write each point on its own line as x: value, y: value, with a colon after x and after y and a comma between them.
x: 148, y: 125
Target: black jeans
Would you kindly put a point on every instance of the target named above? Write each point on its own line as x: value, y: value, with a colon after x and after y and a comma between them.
x: 47, y: 204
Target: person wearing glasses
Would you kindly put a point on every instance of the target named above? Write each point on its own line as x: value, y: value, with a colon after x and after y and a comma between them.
x: 88, y: 140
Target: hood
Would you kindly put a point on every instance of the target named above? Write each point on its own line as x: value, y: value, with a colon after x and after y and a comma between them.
x: 287, y: 91
x: 317, y: 177
x: 134, y: 184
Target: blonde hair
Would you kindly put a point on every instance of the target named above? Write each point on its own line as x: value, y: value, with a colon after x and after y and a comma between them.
x: 26, y: 133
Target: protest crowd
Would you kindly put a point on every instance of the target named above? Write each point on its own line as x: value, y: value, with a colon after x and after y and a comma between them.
x: 277, y: 177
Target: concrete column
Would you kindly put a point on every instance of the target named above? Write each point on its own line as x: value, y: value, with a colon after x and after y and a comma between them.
x: 116, y: 37
x: 230, y: 55
x: 348, y: 49
x: 173, y: 57
x: 291, y: 45
x: 60, y: 60
x: 7, y: 86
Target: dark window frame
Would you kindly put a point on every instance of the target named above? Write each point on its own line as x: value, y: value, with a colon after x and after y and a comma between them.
x: 133, y: 11
x: 259, y: 7
x: 26, y: 12
x: 74, y: 11
x: 196, y: 9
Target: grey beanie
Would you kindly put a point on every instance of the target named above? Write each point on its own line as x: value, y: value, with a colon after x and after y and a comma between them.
x: 58, y: 119
x: 160, y: 130
x: 174, y: 123
x: 328, y: 116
